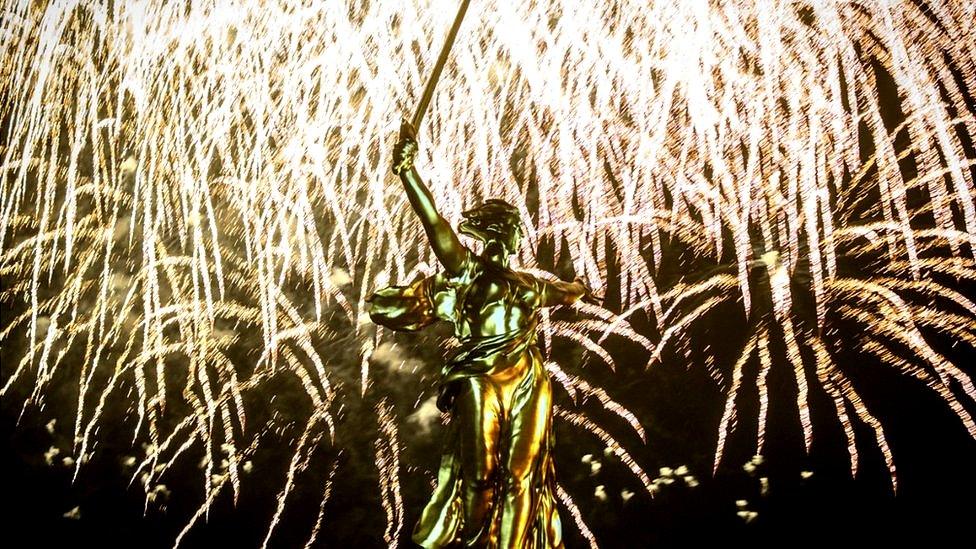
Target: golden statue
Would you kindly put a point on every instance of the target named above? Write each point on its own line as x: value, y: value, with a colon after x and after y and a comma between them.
x: 495, y: 487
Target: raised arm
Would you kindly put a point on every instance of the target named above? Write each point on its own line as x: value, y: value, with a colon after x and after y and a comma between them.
x: 447, y: 247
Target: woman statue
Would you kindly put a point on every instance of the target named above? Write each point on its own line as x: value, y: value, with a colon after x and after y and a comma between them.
x: 495, y: 487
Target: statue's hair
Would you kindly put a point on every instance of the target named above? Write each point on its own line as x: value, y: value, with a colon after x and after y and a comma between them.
x: 498, y: 219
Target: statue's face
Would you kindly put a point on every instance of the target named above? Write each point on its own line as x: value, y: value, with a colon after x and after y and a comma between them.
x: 470, y: 229
x: 511, y: 242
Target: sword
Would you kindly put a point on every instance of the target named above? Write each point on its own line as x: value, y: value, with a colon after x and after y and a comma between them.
x: 436, y: 74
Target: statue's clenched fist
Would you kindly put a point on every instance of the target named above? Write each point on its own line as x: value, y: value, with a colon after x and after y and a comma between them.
x: 405, y: 150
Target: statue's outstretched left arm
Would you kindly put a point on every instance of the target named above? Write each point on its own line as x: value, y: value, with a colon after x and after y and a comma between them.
x: 558, y: 292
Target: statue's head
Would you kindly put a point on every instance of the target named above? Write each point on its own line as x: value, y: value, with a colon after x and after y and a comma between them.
x: 494, y: 221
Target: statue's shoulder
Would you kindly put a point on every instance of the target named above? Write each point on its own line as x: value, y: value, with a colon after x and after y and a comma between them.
x: 471, y: 268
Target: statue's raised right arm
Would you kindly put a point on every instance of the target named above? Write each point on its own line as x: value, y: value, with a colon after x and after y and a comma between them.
x: 447, y: 247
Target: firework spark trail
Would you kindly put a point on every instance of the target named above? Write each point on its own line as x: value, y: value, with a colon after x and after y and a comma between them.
x: 171, y: 172
x: 388, y: 461
x: 574, y: 385
x: 300, y: 459
x: 326, y: 494
x: 582, y: 421
x: 779, y: 287
x: 729, y: 414
x: 219, y: 482
x: 840, y: 384
x: 823, y: 358
x: 765, y: 364
x: 567, y: 501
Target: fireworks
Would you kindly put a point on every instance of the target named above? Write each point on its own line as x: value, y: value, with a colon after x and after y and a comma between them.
x: 178, y: 176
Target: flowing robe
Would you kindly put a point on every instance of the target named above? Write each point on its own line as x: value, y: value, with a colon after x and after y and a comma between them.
x: 510, y: 363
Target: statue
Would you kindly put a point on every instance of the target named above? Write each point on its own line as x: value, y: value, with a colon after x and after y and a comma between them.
x: 495, y: 486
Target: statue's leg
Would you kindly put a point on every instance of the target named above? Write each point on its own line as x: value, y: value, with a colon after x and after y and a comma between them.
x: 479, y: 413
x: 530, y: 428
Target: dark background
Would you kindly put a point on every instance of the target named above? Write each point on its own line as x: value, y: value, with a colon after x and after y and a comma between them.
x: 933, y: 453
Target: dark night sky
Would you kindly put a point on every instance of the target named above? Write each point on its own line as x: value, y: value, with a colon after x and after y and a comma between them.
x: 933, y: 452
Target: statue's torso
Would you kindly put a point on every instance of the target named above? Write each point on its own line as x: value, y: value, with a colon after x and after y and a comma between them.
x: 494, y: 300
